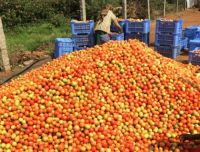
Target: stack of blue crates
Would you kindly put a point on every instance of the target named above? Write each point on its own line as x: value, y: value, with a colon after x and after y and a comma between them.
x: 63, y: 46
x: 168, y: 37
x: 82, y: 34
x: 138, y: 30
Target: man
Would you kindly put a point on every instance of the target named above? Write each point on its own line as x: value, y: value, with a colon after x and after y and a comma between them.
x: 105, y: 19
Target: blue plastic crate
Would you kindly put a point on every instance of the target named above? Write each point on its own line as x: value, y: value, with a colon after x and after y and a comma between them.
x: 138, y: 26
x: 193, y: 44
x: 144, y: 37
x: 117, y: 37
x: 195, y: 26
x: 194, y: 57
x: 191, y: 32
x: 121, y: 23
x: 168, y: 39
x: 83, y: 40
x: 168, y: 51
x: 173, y: 27
x: 184, y: 43
x: 63, y: 46
x: 77, y: 48
x: 82, y: 27
x: 195, y: 36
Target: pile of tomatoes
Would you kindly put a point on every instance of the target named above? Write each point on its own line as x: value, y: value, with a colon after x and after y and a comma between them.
x: 120, y: 96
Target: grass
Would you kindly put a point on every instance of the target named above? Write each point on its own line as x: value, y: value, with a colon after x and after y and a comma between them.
x: 29, y: 38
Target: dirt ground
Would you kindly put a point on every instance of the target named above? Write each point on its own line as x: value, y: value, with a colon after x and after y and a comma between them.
x: 190, y: 17
x: 21, y: 62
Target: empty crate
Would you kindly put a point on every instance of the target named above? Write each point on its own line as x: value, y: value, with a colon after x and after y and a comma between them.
x: 168, y: 39
x: 63, y: 46
x: 168, y: 51
x: 138, y: 26
x: 83, y: 40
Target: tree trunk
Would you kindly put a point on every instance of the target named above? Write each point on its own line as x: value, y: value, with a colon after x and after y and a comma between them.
x: 83, y: 10
x: 124, y: 9
x: 176, y: 6
x: 3, y: 49
x: 148, y: 3
x: 164, y: 8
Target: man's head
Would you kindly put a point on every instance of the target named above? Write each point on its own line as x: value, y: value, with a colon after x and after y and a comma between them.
x: 108, y: 7
x: 104, y: 12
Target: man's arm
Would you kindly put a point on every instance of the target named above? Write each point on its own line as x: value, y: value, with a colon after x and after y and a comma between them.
x: 116, y: 24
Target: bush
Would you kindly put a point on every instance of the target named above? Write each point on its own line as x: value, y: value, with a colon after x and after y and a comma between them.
x: 30, y: 11
x: 58, y: 20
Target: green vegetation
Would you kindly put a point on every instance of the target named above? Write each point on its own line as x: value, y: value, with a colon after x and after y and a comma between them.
x: 19, y: 12
x: 31, y: 37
